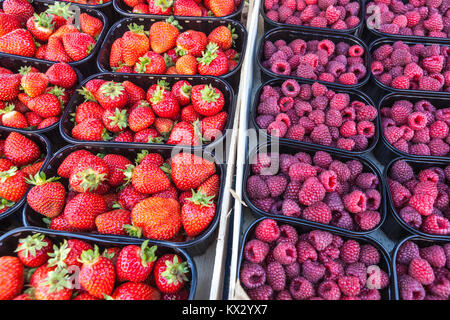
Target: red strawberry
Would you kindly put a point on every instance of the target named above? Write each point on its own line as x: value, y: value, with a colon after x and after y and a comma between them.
x: 117, y: 164
x: 191, y: 42
x: 170, y: 273
x: 210, y: 187
x: 221, y: 8
x: 207, y: 100
x: 113, y: 222
x: 55, y: 50
x: 116, y: 54
x: 185, y: 133
x: 65, y: 168
x: 68, y: 253
x: 111, y: 95
x: 8, y: 23
x: 182, y: 91
x: 19, y: 42
x: 34, y: 83
x: 20, y: 150
x: 134, y: 92
x: 10, y: 86
x: 89, y: 174
x: 90, y: 130
x: 160, y: 7
x: 60, y: 223
x: 135, y: 43
x: 88, y: 110
x: 11, y: 277
x: 189, y: 114
x: 60, y: 13
x: 153, y: 158
x: 41, y: 26
x: 124, y: 136
x: 141, y: 118
x: 55, y: 284
x: 33, y: 250
x: 46, y: 105
x: 62, y: 75
x: 135, y: 291
x: 115, y: 121
x: 14, y: 119
x: 78, y: 45
x: 148, y: 135
x: 97, y: 275
x: 151, y: 63
x: 129, y: 197
x: 163, y: 35
x: 12, y: 185
x: 135, y: 263
x: 213, y: 61
x: 47, y: 197
x: 81, y: 211
x: 90, y: 25
x: 223, y: 36
x: 164, y: 126
x: 21, y: 9
x: 149, y: 178
x: 190, y: 171
x: 164, y: 104
x: 32, y: 169
x: 213, y: 126
x: 197, y: 213
x: 187, y: 8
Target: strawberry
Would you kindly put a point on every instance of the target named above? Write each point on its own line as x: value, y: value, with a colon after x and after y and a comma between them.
x: 135, y: 291
x: 221, y: 8
x: 40, y: 52
x: 148, y: 178
x: 68, y: 253
x: 116, y: 54
x: 160, y: 85
x: 34, y: 83
x: 165, y: 104
x: 62, y: 75
x: 8, y: 23
x: 207, y: 100
x: 153, y: 158
x: 164, y: 126
x: 159, y: 218
x: 5, y: 70
x: 112, y: 95
x: 185, y: 133
x: 135, y: 263
x: 12, y: 185
x: 197, y: 213
x: 182, y: 294
x: 191, y: 42
x: 33, y: 250
x: 148, y: 135
x: 124, y: 136
x: 5, y: 164
x: 33, y: 118
x: 88, y: 174
x: 151, y: 63
x: 78, y: 45
x: 213, y: 126
x: 135, y: 43
x: 20, y: 150
x: 189, y: 114
x: 59, y: 13
x: 170, y: 273
x: 47, y: 122
x: 160, y: 7
x: 117, y: 164
x: 91, y: 25
x: 223, y: 36
x: 46, y: 105
x: 90, y: 130
x: 81, y: 211
x: 88, y: 110
x: 60, y: 223
x: 113, y: 222
x: 65, y: 168
x: 213, y: 61
x: 19, y: 42
x: 14, y: 119
x: 141, y: 118
x: 190, y: 171
x: 85, y: 297
x: 129, y: 197
x: 32, y: 169
x: 25, y: 296
x: 11, y: 277
x: 133, y: 3
x: 55, y: 284
x: 111, y: 253
x: 188, y: 8
x: 115, y: 121
x: 164, y: 34
x: 210, y: 187
x: 21, y: 9
x: 134, y: 92
x: 41, y: 26
x: 55, y: 50
x: 47, y: 197
x: 65, y: 29
x: 182, y: 91
x: 186, y: 64
x: 97, y: 275
x: 10, y: 86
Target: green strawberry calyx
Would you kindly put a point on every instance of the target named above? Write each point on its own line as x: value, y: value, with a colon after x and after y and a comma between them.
x: 24, y: 70
x: 197, y: 124
x: 158, y: 95
x: 209, y: 55
x: 59, y: 93
x: 234, y: 35
x: 138, y: 29
x: 133, y: 231
x: 44, y: 20
x: 201, y: 199
x: 89, y: 257
x: 60, y: 9
x: 141, y: 155
x: 29, y: 245
x: 128, y: 173
x: 40, y: 178
x: 171, y: 20
x: 6, y: 203
x: 209, y: 94
x: 87, y: 95
x: 164, y: 4
x: 89, y: 179
x: 141, y: 66
x: 175, y: 271
x: 147, y: 253
x: 108, y: 254
x: 9, y: 107
x: 186, y: 89
x: 58, y: 280
x: 119, y: 119
x: 163, y: 84
x: 59, y: 255
x: 168, y: 60
x: 8, y: 174
x: 112, y: 89
x: 155, y: 140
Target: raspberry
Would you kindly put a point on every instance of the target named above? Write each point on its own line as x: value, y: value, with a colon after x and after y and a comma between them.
x: 313, y: 271
x: 435, y: 255
x: 390, y: 28
x: 256, y: 251
x: 435, y: 224
x: 285, y: 253
x: 276, y: 277
x: 290, y: 208
x: 428, y: 175
x: 257, y: 188
x: 393, y: 134
x: 252, y: 275
x: 434, y: 22
x: 260, y: 162
x: 356, y: 51
x: 357, y: 270
x: 401, y: 82
x: 367, y: 180
x: 410, y: 289
x: 433, y: 64
x: 336, y: 68
x: 267, y: 230
x: 411, y: 217
x: 317, y: 212
x: 355, y: 202
x: 421, y: 270
x: 369, y: 255
x: 341, y: 169
x: 288, y: 234
x: 298, y: 46
x: 322, y: 159
x: 339, y: 25
x: 349, y: 286
x: 320, y: 239
x: 368, y: 220
x: 417, y: 120
x: 401, y: 21
x: 382, y: 52
x: 269, y: 106
x: 283, y: 295
x: 329, y: 290
x: 401, y: 171
x: 438, y: 147
x: 320, y: 103
x: 420, y: 149
x: 304, y: 157
x: 285, y: 104
x: 264, y: 204
x: 329, y: 254
x: 329, y: 180
x: 306, y: 71
x: 377, y: 279
x: 305, y: 251
x: 429, y: 84
x: 348, y: 79
x: 292, y: 270
x: 334, y: 201
x: 302, y: 171
x: 292, y: 190
x: 276, y: 185
x: 407, y: 252
x: 281, y: 67
x: 264, y: 292
x: 333, y: 270
x: 413, y: 71
x: 439, y: 129
x: 301, y: 289
x: 350, y: 251
x: 263, y: 121
x: 284, y: 12
x: 422, y: 203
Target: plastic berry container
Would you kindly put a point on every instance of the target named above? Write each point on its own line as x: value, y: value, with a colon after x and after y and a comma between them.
x: 416, y: 165
x: 195, y: 246
x: 354, y: 95
x: 356, y: 31
x: 378, y: 43
x: 421, y: 242
x: 9, y: 242
x: 291, y: 148
x: 125, y: 11
x: 374, y: 33
x: 84, y: 65
x: 107, y: 7
x: 303, y: 227
x: 120, y: 27
x: 44, y: 145
x: 290, y: 34
x: 145, y: 81
x: 384, y: 151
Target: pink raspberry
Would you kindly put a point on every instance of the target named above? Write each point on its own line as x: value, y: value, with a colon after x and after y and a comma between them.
x: 305, y: 251
x: 417, y: 120
x: 292, y: 270
x: 413, y: 71
x: 329, y: 180
x: 434, y: 22
x: 341, y: 169
x: 390, y: 28
x: 383, y: 52
x: 276, y: 277
x: 317, y: 212
x: 349, y: 286
x: 401, y: 171
x: 257, y: 188
x: 368, y: 220
x: 322, y: 159
x: 422, y: 203
x: 301, y: 289
x: 407, y: 251
x: 256, y: 251
x: 356, y: 51
x: 252, y: 275
x: 435, y: 224
x: 435, y: 255
x: 401, y: 82
x: 369, y: 255
x: 321, y: 135
x: 288, y: 234
x: 366, y: 129
x: 267, y: 230
x: 355, y: 202
x: 320, y: 239
x: 429, y: 84
x: 348, y: 79
x: 332, y: 14
x: 411, y: 217
x: 410, y: 289
x: 306, y: 71
x: 313, y: 271
x: 350, y: 251
x: 264, y: 292
x: 438, y: 147
x: 290, y: 208
x: 433, y: 64
x: 295, y: 132
x: 301, y: 171
x: 439, y: 129
x: 283, y: 295
x: 285, y: 253
x: 329, y: 290
x: 421, y: 270
x: 366, y: 113
x: 413, y: 18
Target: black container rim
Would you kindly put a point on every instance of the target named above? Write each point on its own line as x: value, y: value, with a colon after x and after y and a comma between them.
x: 162, y: 18
x: 361, y: 16
x: 393, y: 210
x: 186, y: 256
x: 207, y: 233
x: 98, y: 43
x: 318, y: 35
x: 365, y: 161
x: 236, y: 14
x: 387, y: 259
x: 38, y: 62
x: 394, y: 257
x: 382, y: 41
x: 48, y: 148
x: 87, y: 6
x: 129, y: 76
x: 356, y: 92
x: 416, y: 95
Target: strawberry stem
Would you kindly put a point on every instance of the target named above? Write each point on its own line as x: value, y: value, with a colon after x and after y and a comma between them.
x: 31, y: 244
